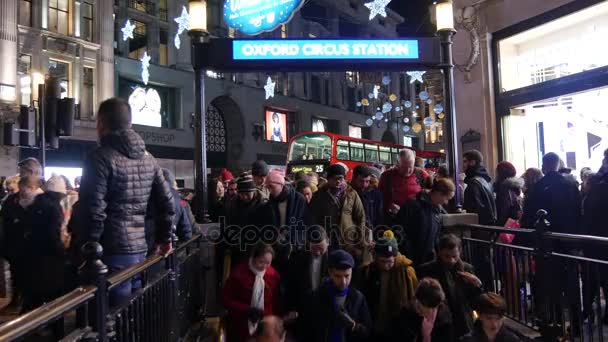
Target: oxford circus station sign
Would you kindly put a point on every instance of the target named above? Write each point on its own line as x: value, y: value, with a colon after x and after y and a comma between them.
x: 256, y: 16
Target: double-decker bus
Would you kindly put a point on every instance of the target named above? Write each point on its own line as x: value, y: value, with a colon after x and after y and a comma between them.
x: 315, y: 151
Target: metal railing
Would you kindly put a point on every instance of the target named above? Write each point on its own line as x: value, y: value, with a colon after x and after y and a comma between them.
x: 166, y: 305
x: 550, y: 281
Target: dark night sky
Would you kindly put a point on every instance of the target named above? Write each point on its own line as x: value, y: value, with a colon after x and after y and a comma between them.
x: 416, y: 15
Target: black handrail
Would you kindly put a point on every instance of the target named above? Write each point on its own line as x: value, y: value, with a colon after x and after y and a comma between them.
x: 128, y: 273
x: 45, y: 314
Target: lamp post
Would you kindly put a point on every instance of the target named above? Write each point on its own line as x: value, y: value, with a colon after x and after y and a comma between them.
x: 444, y: 14
x: 199, y: 35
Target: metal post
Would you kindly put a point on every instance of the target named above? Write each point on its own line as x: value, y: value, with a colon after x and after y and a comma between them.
x: 42, y: 123
x: 94, y: 272
x: 200, y: 150
x: 447, y: 65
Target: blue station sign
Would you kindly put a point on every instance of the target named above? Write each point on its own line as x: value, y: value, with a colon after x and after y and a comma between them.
x: 322, y: 49
x: 256, y: 16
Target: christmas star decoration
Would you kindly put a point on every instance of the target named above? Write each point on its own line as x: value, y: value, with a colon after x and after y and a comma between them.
x: 375, y: 92
x: 127, y: 30
x: 145, y: 64
x: 416, y: 76
x: 183, y: 22
x: 269, y: 88
x: 377, y: 7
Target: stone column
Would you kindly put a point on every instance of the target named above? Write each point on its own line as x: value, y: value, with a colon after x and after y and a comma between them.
x: 8, y: 42
x: 105, y: 70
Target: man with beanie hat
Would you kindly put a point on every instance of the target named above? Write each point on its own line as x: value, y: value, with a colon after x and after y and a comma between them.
x: 259, y: 171
x: 337, y: 312
x: 338, y: 208
x: 239, y: 213
x: 372, y: 198
x: 388, y: 283
x: 479, y: 195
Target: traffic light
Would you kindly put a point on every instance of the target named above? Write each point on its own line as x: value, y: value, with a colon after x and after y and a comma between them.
x: 52, y: 91
x: 11, y: 135
x: 65, y: 116
x: 27, y: 125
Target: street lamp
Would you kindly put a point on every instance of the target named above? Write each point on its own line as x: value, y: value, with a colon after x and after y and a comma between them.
x: 444, y: 16
x: 198, y: 37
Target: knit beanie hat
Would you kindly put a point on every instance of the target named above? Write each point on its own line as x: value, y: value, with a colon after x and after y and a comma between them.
x: 505, y: 170
x: 225, y: 175
x: 56, y: 184
x: 259, y: 168
x: 276, y: 176
x: 335, y: 170
x: 386, y: 246
x: 246, y: 184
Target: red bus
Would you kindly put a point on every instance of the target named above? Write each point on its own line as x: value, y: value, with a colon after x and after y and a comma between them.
x: 315, y: 151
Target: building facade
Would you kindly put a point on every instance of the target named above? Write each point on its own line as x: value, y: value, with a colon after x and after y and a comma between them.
x: 533, y: 80
x: 81, y: 42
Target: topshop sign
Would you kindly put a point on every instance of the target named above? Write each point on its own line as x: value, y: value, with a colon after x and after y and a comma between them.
x: 324, y: 49
x: 253, y: 17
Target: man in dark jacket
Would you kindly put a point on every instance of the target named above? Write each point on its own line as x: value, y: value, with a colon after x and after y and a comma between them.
x: 118, y: 179
x: 421, y: 221
x: 306, y: 273
x: 181, y: 226
x: 457, y: 279
x: 373, y: 201
x: 478, y: 195
x: 336, y: 311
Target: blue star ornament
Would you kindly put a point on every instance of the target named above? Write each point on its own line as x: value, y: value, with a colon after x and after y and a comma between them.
x: 127, y: 30
x: 416, y: 76
x: 145, y: 64
x: 269, y: 88
x: 377, y: 7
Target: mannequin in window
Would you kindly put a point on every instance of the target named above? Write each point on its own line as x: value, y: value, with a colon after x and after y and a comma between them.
x: 276, y: 128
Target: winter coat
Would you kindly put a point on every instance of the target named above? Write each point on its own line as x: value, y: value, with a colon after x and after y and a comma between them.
x: 561, y: 199
x: 479, y: 196
x: 319, y: 316
x: 299, y: 282
x: 46, y: 255
x: 407, y: 327
x: 398, y: 189
x: 181, y: 225
x: 373, y: 203
x: 509, y: 203
x: 421, y: 222
x: 460, y: 295
x: 478, y: 335
x: 118, y: 179
x: 238, y: 216
x: 13, y: 215
x: 402, y: 283
x: 595, y: 209
x: 344, y: 222
x: 236, y: 298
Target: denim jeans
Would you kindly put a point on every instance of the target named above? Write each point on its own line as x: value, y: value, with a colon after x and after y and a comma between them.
x: 118, y: 262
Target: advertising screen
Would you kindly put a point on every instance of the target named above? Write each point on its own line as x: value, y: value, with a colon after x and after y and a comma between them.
x: 276, y: 126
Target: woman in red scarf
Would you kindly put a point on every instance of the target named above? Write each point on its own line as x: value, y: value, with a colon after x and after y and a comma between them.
x: 251, y: 292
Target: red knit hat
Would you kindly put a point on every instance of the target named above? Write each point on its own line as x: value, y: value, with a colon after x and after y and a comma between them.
x: 505, y: 170
x: 225, y: 175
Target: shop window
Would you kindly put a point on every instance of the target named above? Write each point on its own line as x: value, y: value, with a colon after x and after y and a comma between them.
x: 146, y: 6
x: 59, y: 16
x: 86, y: 26
x: 61, y: 71
x: 162, y: 49
x: 24, y: 69
x: 162, y: 10
x: 354, y: 131
x: 151, y: 105
x: 25, y: 12
x: 566, y: 46
x: 319, y: 125
x: 139, y: 44
x: 87, y: 107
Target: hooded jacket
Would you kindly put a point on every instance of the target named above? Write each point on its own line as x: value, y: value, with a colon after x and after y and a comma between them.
x: 509, y: 200
x: 421, y: 221
x: 402, y: 283
x: 479, y: 196
x: 118, y: 179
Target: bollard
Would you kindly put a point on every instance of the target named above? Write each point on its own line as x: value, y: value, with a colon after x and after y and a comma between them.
x: 94, y: 272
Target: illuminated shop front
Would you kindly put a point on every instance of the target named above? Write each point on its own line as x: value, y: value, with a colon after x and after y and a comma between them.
x: 552, y: 88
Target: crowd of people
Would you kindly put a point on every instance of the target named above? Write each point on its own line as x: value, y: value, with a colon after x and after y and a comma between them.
x: 303, y: 257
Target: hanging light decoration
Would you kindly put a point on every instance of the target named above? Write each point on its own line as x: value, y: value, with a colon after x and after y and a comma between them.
x: 416, y: 128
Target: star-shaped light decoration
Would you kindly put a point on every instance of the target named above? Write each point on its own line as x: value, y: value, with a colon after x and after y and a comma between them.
x: 375, y: 92
x: 127, y: 30
x: 269, y: 88
x: 183, y: 22
x: 416, y: 76
x: 377, y: 7
x: 145, y: 64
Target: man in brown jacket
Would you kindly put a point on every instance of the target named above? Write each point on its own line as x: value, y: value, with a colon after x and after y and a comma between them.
x: 338, y: 208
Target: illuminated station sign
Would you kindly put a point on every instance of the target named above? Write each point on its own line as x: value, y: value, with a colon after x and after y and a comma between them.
x: 324, y: 49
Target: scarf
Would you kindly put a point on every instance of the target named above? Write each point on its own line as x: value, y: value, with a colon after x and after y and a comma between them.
x: 427, y: 326
x: 257, y: 295
x: 335, y: 334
